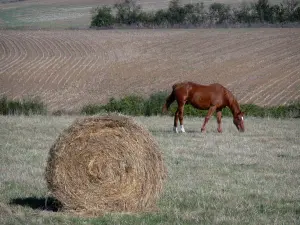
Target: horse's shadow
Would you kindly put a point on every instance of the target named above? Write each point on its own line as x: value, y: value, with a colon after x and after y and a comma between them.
x: 47, y: 204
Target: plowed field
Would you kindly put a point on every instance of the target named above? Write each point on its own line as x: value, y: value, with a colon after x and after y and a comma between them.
x: 68, y: 69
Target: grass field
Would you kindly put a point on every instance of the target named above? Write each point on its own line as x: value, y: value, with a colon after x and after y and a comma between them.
x: 229, y: 178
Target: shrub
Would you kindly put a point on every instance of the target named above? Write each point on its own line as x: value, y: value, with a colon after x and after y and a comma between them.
x: 138, y: 106
x: 22, y: 107
x: 92, y: 109
x: 128, y: 12
x: 176, y: 13
x: 130, y: 105
x: 219, y: 13
x: 102, y: 17
x: 153, y: 105
x: 245, y: 13
x: 161, y: 17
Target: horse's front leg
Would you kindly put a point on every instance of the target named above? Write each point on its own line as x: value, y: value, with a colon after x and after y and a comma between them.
x: 211, y: 110
x: 219, y: 118
x: 181, y: 109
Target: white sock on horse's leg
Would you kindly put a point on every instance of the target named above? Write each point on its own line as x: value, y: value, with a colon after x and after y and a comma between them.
x: 182, y: 129
x: 175, y: 129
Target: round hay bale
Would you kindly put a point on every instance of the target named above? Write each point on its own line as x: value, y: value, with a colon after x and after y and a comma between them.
x: 105, y: 164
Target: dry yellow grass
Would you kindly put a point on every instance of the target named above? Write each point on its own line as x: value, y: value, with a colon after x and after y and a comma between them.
x: 69, y: 69
x: 230, y: 178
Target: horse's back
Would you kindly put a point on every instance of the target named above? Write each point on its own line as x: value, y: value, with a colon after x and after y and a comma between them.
x: 203, y: 96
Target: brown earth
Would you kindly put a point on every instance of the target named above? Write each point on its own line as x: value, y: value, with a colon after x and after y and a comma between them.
x: 69, y: 69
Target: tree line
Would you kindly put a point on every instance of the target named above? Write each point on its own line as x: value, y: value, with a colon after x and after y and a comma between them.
x: 129, y: 13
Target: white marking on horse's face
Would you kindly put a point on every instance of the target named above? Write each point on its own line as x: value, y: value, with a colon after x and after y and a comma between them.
x: 242, y: 118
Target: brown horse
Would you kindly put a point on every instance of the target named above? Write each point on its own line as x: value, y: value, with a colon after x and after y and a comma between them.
x: 213, y: 98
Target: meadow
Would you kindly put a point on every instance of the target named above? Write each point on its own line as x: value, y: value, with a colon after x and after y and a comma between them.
x: 228, y: 178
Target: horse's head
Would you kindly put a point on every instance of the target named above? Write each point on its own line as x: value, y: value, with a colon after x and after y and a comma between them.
x: 238, y: 121
x: 164, y: 109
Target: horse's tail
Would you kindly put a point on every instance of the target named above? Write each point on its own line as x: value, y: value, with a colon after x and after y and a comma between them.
x: 170, y: 99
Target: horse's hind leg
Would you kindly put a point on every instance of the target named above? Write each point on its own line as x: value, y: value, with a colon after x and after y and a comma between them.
x: 175, y: 129
x: 211, y: 110
x: 179, y: 116
x: 219, y: 118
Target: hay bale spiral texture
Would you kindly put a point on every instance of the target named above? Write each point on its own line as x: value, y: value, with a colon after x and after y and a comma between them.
x: 105, y: 164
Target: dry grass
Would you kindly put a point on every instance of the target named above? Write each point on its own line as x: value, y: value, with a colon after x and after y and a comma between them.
x: 229, y: 178
x: 69, y: 69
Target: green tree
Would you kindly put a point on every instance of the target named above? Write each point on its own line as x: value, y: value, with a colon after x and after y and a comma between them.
x: 102, y: 17
x: 195, y: 13
x: 128, y: 12
x: 244, y: 13
x: 264, y: 10
x: 219, y: 12
x: 292, y: 10
x: 176, y: 12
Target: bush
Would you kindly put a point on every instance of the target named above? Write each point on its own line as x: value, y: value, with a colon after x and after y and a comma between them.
x: 138, y: 106
x: 153, y: 105
x: 219, y: 13
x: 130, y: 105
x: 244, y: 13
x: 128, y: 13
x: 102, y: 17
x: 176, y: 14
x: 22, y: 107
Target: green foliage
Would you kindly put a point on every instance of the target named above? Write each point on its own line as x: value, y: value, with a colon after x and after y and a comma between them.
x: 219, y: 12
x: 128, y: 12
x: 92, y: 109
x: 261, y: 11
x: 138, y: 106
x: 130, y: 105
x: 153, y: 105
x: 21, y: 107
x: 102, y: 17
x: 176, y: 14
x: 161, y: 17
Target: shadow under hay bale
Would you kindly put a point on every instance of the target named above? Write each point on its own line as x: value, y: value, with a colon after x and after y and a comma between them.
x: 48, y: 204
x: 106, y: 164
